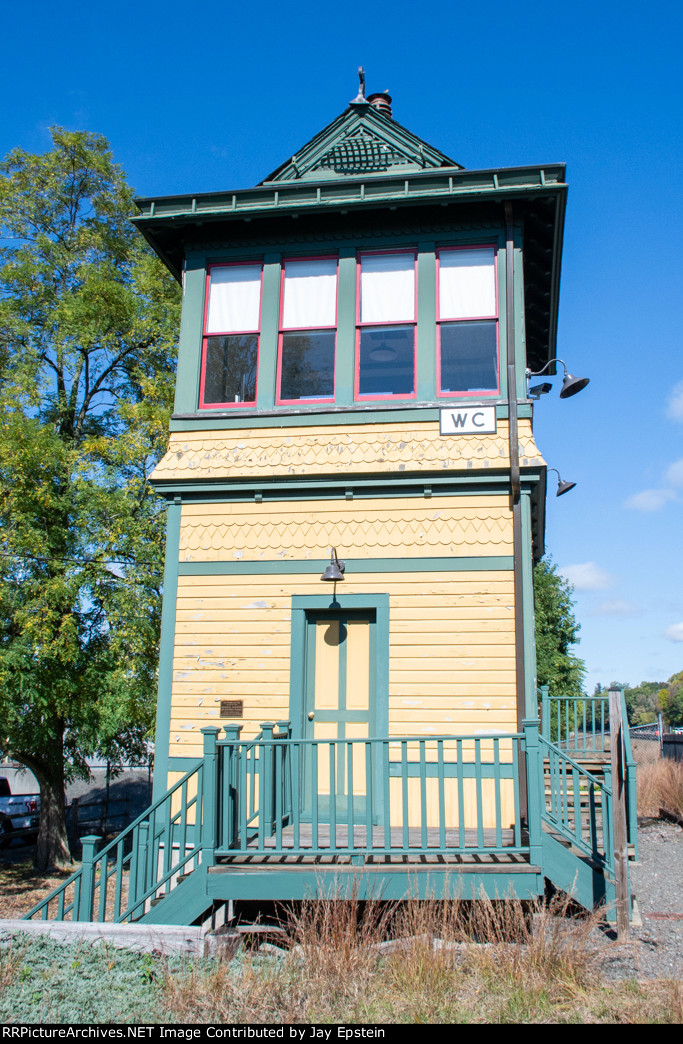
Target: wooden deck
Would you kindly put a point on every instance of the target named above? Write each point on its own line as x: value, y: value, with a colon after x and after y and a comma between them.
x: 414, y: 847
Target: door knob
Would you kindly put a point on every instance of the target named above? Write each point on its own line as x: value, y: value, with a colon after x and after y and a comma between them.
x: 311, y: 715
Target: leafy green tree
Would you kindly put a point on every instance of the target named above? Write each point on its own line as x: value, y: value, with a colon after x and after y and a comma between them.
x: 87, y: 346
x: 556, y: 632
x: 670, y: 698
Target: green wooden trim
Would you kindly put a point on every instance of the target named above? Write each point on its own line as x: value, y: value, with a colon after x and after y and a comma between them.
x: 190, y: 341
x: 299, y: 670
x: 168, y: 618
x: 527, y: 608
x: 346, y: 328
x: 500, y: 563
x: 313, y: 487
x: 286, y: 417
x: 178, y: 764
x: 426, y: 321
x: 409, y: 881
x: 270, y: 320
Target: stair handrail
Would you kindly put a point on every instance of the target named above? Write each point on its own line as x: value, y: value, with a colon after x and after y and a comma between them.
x: 575, y: 837
x: 101, y: 857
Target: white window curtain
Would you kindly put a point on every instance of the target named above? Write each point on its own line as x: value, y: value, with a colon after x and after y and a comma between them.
x: 234, y: 299
x: 310, y: 294
x: 467, y: 287
x: 387, y: 288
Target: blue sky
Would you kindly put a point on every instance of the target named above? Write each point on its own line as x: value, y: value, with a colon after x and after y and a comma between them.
x: 214, y: 96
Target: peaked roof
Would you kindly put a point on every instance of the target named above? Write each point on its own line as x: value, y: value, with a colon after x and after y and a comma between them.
x: 363, y: 140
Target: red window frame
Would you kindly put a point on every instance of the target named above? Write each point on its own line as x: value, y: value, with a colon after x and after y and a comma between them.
x: 229, y: 333
x: 279, y: 401
x: 398, y: 322
x: 466, y: 319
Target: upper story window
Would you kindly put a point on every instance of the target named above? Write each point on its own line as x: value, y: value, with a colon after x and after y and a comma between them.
x: 231, y: 335
x: 308, y: 331
x: 385, y: 343
x: 467, y: 317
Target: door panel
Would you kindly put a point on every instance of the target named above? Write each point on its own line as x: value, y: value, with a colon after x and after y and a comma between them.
x: 339, y: 704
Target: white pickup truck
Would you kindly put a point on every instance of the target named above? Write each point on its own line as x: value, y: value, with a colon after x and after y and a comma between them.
x: 19, y: 815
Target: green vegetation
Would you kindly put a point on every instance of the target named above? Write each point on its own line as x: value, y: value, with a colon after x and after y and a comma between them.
x: 556, y: 632
x: 645, y: 701
x: 87, y: 344
x: 335, y: 966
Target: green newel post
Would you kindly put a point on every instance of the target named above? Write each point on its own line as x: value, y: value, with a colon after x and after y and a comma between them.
x: 230, y: 784
x: 209, y: 824
x: 534, y: 769
x: 267, y: 774
x: 87, y: 895
x: 545, y: 711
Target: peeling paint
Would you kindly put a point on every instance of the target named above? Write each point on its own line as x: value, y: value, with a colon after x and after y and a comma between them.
x: 260, y: 603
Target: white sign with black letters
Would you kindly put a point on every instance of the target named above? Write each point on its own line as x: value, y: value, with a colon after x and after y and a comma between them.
x: 468, y: 420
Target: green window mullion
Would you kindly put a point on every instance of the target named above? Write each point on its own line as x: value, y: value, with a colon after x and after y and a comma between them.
x: 270, y: 315
x: 426, y: 322
x: 346, y: 327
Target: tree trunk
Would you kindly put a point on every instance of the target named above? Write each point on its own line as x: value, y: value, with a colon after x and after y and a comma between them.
x: 52, y: 849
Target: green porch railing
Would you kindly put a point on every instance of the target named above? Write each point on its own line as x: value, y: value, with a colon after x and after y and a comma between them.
x: 386, y: 796
x: 578, y: 805
x: 580, y: 727
x: 577, y: 725
x: 118, y: 882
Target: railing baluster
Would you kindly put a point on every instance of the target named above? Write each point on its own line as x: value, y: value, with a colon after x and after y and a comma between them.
x: 369, y: 789
x: 442, y: 794
x: 423, y: 794
x: 386, y: 786
x: 460, y: 778
x: 515, y: 786
x: 279, y: 783
x: 245, y: 797
x: 478, y: 787
x: 350, y: 824
x: 118, y: 883
x: 404, y: 794
x: 315, y: 841
x: 104, y: 882
x: 333, y: 797
x: 295, y: 769
x: 497, y: 797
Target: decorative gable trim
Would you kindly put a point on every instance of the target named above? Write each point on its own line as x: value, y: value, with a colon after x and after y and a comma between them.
x: 360, y: 141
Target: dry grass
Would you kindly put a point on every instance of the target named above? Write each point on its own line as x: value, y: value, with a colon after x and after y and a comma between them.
x: 22, y: 886
x: 488, y: 962
x: 10, y: 965
x: 660, y: 785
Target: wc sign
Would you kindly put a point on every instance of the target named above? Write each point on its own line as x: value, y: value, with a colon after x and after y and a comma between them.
x: 468, y: 420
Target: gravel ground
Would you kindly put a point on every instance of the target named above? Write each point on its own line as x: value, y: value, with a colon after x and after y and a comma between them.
x: 655, y: 950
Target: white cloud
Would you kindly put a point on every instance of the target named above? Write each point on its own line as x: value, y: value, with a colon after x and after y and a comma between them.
x: 650, y: 499
x: 675, y: 632
x: 587, y: 576
x: 674, y: 473
x: 674, y: 407
x: 616, y: 607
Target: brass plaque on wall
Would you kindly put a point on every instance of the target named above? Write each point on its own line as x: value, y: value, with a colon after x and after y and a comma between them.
x: 232, y: 708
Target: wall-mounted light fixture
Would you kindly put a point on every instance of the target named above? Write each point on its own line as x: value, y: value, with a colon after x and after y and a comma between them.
x: 570, y: 384
x: 562, y: 487
x: 335, y: 570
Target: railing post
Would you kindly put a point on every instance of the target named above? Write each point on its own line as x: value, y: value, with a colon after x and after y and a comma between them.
x: 87, y: 894
x: 230, y: 789
x: 616, y: 728
x: 209, y: 811
x: 534, y: 769
x: 267, y: 775
x: 545, y: 711
x: 284, y: 728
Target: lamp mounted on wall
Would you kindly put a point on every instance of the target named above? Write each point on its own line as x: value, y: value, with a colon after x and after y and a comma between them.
x: 335, y: 570
x: 562, y: 487
x: 570, y: 384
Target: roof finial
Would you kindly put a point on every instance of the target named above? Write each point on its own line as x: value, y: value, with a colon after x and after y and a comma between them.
x: 360, y: 98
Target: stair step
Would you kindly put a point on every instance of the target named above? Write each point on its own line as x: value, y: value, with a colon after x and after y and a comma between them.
x: 159, y: 899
